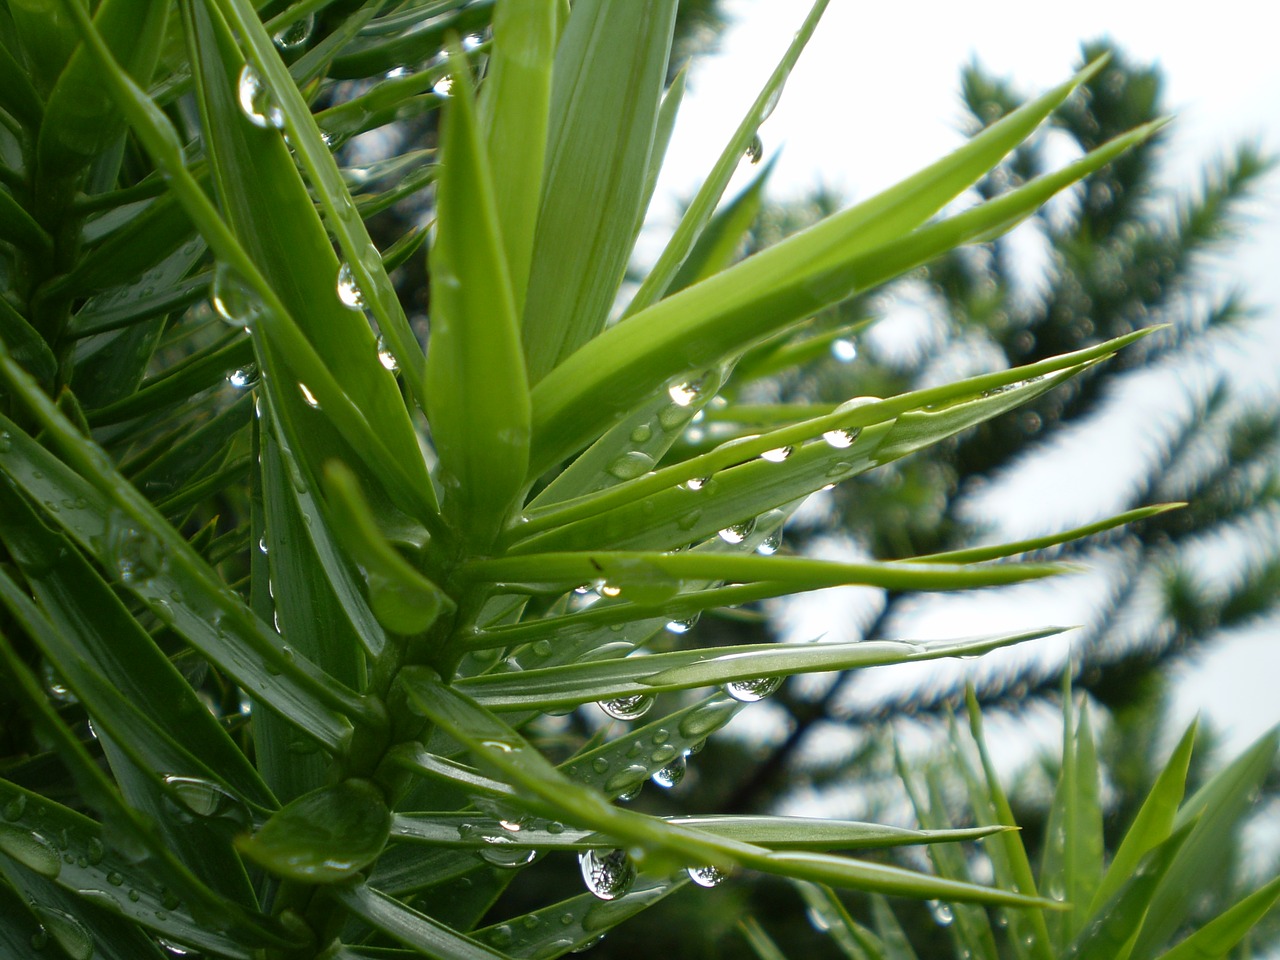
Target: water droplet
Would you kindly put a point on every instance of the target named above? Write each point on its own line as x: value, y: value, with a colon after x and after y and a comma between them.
x: 308, y: 397
x: 256, y: 101
x: 684, y: 393
x: 627, y: 779
x: 749, y: 691
x: 295, y: 34
x: 608, y: 590
x: 115, y: 878
x: 205, y: 799
x: 755, y: 149
x: 499, y: 844
x: 30, y: 849
x: 386, y: 357
x: 627, y: 708
x: 95, y: 851
x: 471, y: 41
x: 777, y: 454
x: 683, y: 626
x: 599, y: 764
x: 707, y: 876
x: 348, y: 292
x: 444, y: 86
x: 628, y: 795
x: 840, y: 439
x: 634, y: 463
x: 696, y: 483
x: 498, y: 745
x: 668, y: 776
x: 173, y: 949
x: 642, y: 433
x: 15, y: 807
x: 6, y: 442
x: 57, y: 690
x: 136, y: 556
x: 770, y: 544
x: 232, y: 297
x: 607, y: 873
x: 942, y: 913
x: 134, y: 896
x: 846, y: 351
x: 242, y: 378
x: 738, y: 532
x: 69, y: 933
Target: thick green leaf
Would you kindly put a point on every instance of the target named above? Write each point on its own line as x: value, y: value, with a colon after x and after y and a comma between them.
x: 727, y: 313
x: 556, y: 572
x: 25, y: 343
x: 698, y: 213
x: 1213, y: 813
x: 1221, y: 934
x: 573, y: 925
x: 850, y: 419
x: 476, y: 389
x: 113, y: 851
x: 1110, y: 936
x: 514, y: 107
x: 1153, y: 823
x: 409, y: 926
x: 606, y: 86
x: 17, y: 94
x: 20, y: 229
x: 120, y: 529
x: 342, y: 217
x: 547, y: 792
x: 324, y: 836
x: 402, y: 599
x: 80, y: 118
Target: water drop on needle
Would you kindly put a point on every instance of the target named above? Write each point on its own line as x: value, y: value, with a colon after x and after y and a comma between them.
x: 351, y: 296
x: 607, y: 873
x: 751, y: 691
x: 256, y: 102
x: 627, y: 708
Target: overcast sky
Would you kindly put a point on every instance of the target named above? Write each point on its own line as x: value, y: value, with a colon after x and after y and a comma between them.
x: 875, y: 97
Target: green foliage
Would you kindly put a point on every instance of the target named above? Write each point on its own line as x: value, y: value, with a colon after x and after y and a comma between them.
x: 280, y: 671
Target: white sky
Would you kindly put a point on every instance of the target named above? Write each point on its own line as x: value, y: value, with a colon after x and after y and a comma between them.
x: 876, y: 96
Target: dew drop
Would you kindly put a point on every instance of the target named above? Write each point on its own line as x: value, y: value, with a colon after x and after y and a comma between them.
x: 57, y: 690
x: 684, y: 393
x: 634, y: 463
x: 30, y: 849
x: 841, y: 439
x: 707, y: 876
x: 627, y: 780
x: 738, y: 532
x: 308, y: 397
x: 846, y: 351
x: 444, y: 86
x: 6, y: 442
x: 16, y: 807
x: 296, y: 34
x: 699, y: 722
x: 696, y: 483
x: 471, y: 41
x: 205, y: 799
x: 608, y: 874
x: 942, y: 913
x: 750, y: 691
x: 233, y: 299
x: 770, y: 544
x: 386, y: 357
x: 608, y: 590
x: 136, y: 556
x: 668, y: 776
x: 777, y: 454
x: 755, y: 149
x: 242, y: 378
x: 348, y: 292
x: 600, y: 765
x: 683, y: 626
x: 256, y: 102
x: 627, y: 708
x: 69, y: 933
x: 642, y: 433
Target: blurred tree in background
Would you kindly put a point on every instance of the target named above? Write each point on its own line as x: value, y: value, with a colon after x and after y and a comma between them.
x: 1124, y: 252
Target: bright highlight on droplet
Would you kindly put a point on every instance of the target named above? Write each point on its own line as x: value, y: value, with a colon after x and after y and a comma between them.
x: 846, y: 351
x: 308, y: 397
x: 443, y: 87
x: 840, y: 439
x: 256, y: 102
x: 751, y: 691
x: 683, y: 394
x: 295, y: 34
x: 738, y: 532
x: 627, y: 708
x: 386, y: 357
x: 607, y: 873
x: 351, y: 296
x: 777, y: 454
x: 707, y: 876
